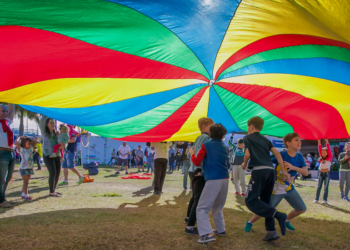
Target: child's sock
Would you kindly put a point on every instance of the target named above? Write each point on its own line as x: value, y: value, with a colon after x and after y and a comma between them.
x: 23, y: 194
x: 26, y: 195
x: 287, y: 221
x: 250, y: 222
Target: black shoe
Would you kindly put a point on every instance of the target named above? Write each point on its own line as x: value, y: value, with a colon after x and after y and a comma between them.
x: 192, y: 231
x: 223, y: 234
x: 186, y: 220
x: 126, y: 173
x: 206, y: 238
x: 156, y: 193
x: 281, y: 218
x: 270, y: 236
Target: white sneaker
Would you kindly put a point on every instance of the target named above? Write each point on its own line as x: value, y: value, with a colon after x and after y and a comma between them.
x: 315, y: 201
x: 324, y: 202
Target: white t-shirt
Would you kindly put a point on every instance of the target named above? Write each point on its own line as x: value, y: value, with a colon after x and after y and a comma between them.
x: 161, y: 149
x: 3, y: 137
x: 27, y: 158
x: 123, y: 150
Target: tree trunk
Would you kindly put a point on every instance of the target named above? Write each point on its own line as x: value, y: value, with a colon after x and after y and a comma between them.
x: 21, y: 128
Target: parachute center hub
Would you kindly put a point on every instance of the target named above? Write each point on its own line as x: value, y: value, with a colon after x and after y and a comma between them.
x: 211, y: 82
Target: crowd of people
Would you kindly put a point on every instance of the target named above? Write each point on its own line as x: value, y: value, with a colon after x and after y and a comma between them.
x: 207, y: 163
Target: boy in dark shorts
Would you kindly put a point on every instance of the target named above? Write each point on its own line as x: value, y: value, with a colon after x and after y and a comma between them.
x: 263, y: 177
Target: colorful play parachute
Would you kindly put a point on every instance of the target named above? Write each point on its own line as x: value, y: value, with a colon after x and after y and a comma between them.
x: 141, y: 70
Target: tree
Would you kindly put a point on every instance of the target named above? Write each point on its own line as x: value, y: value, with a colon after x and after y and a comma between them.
x: 21, y: 113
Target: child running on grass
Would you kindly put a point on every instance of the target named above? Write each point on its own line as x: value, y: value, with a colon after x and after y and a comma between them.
x: 62, y: 140
x: 325, y: 166
x: 25, y: 148
x: 198, y: 183
x: 294, y: 162
x: 214, y: 155
x: 262, y: 180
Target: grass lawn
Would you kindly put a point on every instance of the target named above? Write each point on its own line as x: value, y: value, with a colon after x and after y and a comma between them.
x: 95, y: 216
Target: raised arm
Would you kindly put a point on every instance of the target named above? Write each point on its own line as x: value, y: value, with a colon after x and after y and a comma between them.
x: 329, y: 151
x: 11, y: 108
x: 42, y: 124
x: 17, y: 142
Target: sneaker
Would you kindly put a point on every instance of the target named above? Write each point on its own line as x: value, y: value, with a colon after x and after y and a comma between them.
x: 346, y: 198
x: 63, y: 183
x: 81, y: 179
x: 236, y: 193
x: 206, y: 238
x: 243, y: 194
x: 28, y: 198
x: 324, y: 202
x: 192, y: 231
x: 289, y: 226
x: 10, y: 202
x: 138, y: 171
x: 117, y: 172
x: 186, y: 220
x: 223, y: 234
x: 5, y: 205
x: 315, y: 201
x: 126, y: 173
x: 53, y: 155
x: 342, y: 195
x: 270, y: 236
x: 248, y: 226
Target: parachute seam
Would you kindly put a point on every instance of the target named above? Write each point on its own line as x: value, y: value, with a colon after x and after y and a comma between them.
x: 228, y: 26
x: 174, y: 35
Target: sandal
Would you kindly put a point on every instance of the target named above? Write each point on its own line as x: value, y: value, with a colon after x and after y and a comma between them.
x: 54, y: 195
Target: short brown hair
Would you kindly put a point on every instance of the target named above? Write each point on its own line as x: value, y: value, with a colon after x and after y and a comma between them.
x: 289, y: 137
x: 204, y: 121
x: 257, y: 122
x: 24, y: 141
x: 217, y: 131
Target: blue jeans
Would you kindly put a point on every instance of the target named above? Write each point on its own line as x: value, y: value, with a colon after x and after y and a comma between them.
x: 7, y: 164
x: 323, y: 178
x: 293, y: 198
x: 150, y: 165
x: 186, y: 166
x: 68, y: 160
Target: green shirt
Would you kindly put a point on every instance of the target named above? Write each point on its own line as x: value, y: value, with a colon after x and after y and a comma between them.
x: 344, y: 163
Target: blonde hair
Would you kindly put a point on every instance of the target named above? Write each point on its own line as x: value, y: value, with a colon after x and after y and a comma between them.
x: 65, y: 128
x: 204, y: 121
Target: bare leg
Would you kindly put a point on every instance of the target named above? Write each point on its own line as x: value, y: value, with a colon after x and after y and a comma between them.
x: 74, y: 170
x: 126, y: 168
x: 294, y: 214
x: 254, y: 218
x: 118, y: 168
x: 25, y: 183
x: 65, y: 172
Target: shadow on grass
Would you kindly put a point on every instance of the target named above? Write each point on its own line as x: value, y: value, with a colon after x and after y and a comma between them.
x: 19, y: 201
x: 32, y: 191
x: 142, y: 192
x: 336, y: 208
x: 148, y: 224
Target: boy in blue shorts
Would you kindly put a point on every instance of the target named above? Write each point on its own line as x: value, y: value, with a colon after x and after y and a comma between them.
x: 295, y: 163
x: 261, y: 184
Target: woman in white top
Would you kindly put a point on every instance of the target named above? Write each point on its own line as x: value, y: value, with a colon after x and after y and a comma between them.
x: 160, y: 164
